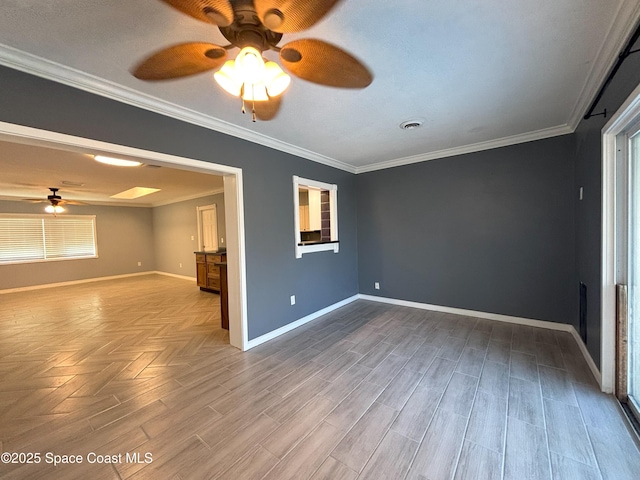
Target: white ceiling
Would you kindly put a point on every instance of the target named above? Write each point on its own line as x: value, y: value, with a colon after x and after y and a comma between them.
x: 29, y: 170
x: 478, y: 73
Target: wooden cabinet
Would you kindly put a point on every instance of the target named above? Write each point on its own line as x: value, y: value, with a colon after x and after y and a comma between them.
x: 208, y: 273
x: 211, y: 271
x: 309, y: 204
x: 201, y: 270
x: 224, y: 297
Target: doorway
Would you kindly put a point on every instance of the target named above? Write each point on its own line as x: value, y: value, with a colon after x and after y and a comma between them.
x: 631, y: 151
x: 208, y: 228
x: 620, y: 297
x: 233, y: 200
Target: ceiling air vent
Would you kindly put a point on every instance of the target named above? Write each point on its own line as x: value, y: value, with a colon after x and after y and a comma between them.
x: 411, y: 124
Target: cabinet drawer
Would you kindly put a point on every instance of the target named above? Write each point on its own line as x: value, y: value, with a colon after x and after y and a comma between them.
x: 213, y: 283
x: 214, y: 258
x: 213, y: 270
x: 200, y: 258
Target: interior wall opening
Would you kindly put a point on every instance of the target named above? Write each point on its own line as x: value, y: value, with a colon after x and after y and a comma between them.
x: 226, y: 181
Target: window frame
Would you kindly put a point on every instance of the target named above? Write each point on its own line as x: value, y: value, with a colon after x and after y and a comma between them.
x: 49, y: 217
x: 334, y: 244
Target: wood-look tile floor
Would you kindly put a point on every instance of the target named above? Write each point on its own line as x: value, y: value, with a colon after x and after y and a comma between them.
x: 370, y: 391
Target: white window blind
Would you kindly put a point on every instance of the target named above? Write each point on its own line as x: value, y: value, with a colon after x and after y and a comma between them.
x: 28, y: 238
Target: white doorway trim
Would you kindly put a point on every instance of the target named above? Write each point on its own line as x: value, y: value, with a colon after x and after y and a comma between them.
x: 628, y: 112
x: 233, y: 198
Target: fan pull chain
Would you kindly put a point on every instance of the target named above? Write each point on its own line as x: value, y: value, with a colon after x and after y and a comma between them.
x: 253, y: 104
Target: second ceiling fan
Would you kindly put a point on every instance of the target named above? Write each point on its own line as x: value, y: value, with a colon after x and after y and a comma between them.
x: 256, y: 26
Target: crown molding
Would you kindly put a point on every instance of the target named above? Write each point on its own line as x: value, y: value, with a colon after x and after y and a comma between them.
x: 474, y: 147
x: 41, y: 67
x: 189, y: 197
x: 621, y: 29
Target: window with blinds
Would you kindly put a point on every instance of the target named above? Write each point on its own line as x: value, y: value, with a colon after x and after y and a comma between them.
x: 33, y: 238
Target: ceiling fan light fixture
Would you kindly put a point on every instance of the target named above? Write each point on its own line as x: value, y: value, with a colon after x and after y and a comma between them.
x: 54, y: 209
x: 254, y: 27
x: 275, y: 79
x: 228, y: 78
x: 254, y: 92
x: 118, y: 162
x: 250, y: 65
x: 262, y: 81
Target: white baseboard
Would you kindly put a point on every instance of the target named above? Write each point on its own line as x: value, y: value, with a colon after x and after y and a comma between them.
x: 182, y: 277
x: 587, y: 357
x: 472, y: 313
x: 96, y: 279
x: 298, y: 323
x: 74, y: 282
x: 564, y: 327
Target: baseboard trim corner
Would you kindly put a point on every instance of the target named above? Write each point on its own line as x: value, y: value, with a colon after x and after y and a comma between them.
x: 298, y: 323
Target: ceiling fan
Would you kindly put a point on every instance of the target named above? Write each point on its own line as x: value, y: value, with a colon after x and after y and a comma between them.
x: 256, y: 26
x: 56, y: 202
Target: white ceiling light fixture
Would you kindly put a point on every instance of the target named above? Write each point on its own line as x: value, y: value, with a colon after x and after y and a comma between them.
x: 251, y: 78
x: 54, y: 209
x: 118, y: 162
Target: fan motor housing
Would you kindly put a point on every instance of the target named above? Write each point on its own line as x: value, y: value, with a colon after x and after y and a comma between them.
x: 247, y: 30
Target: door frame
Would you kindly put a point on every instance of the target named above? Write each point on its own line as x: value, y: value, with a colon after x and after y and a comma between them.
x: 233, y: 199
x: 627, y: 115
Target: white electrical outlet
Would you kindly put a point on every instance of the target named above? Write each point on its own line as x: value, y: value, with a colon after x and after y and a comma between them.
x: 139, y: 264
x: 180, y: 265
x: 192, y: 237
x: 377, y: 285
x: 221, y: 240
x: 293, y: 299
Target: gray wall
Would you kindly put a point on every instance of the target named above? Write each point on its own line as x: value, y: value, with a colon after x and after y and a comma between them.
x: 588, y: 158
x: 173, y: 227
x: 273, y: 274
x: 125, y: 237
x: 499, y: 231
x: 491, y: 231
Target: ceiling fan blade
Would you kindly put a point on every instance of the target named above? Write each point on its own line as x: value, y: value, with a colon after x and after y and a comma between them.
x: 71, y: 202
x: 218, y: 12
x: 35, y: 200
x: 269, y: 109
x: 180, y: 61
x: 287, y: 16
x: 323, y: 63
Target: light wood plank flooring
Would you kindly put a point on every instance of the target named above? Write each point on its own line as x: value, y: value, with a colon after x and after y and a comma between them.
x: 370, y: 391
